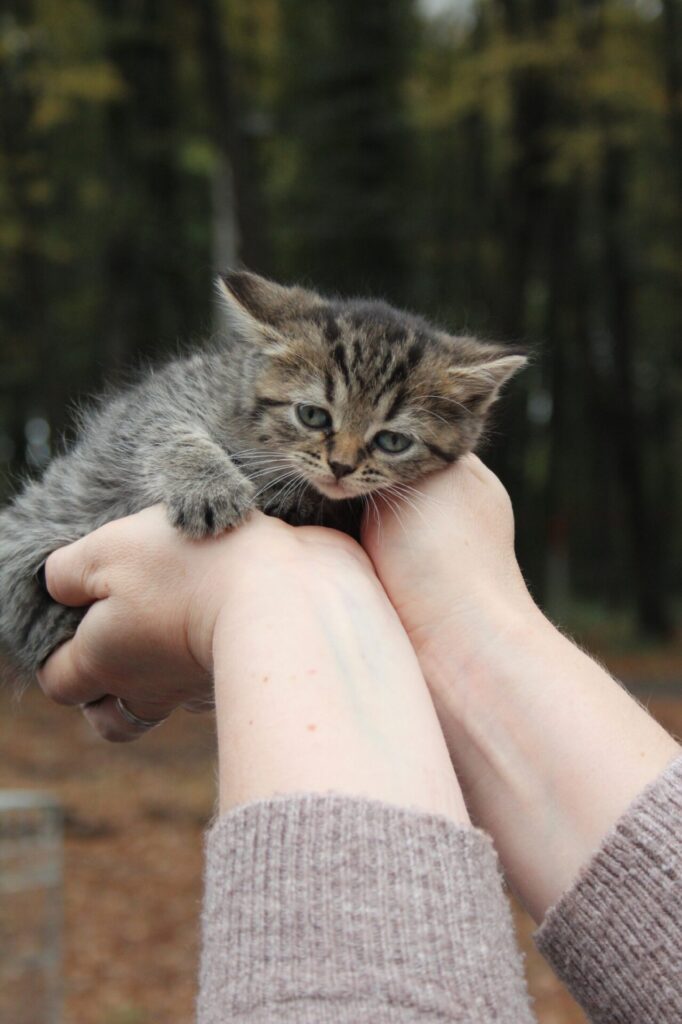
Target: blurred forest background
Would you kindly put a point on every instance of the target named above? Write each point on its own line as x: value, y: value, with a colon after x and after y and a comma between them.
x: 508, y: 167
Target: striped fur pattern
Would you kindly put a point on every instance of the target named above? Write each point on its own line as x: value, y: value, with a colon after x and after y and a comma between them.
x: 230, y: 428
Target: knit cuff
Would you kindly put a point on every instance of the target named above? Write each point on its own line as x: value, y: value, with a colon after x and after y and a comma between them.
x: 333, y: 909
x: 615, y: 938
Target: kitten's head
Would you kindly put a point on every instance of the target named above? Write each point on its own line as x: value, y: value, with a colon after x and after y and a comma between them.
x: 358, y: 396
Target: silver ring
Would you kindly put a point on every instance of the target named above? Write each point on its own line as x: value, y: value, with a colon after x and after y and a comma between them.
x: 133, y: 719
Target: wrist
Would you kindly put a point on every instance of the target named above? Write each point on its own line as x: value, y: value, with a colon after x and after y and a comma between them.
x: 318, y: 689
x: 206, y: 608
x: 470, y: 650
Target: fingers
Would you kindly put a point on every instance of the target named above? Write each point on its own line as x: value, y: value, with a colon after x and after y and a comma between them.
x: 106, y: 719
x: 478, y: 468
x: 67, y: 677
x: 71, y: 573
x: 76, y: 672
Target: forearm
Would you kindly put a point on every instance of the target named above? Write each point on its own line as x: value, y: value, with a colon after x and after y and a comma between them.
x: 615, y: 937
x: 550, y: 752
x: 326, y: 695
x: 319, y: 902
x: 549, y: 749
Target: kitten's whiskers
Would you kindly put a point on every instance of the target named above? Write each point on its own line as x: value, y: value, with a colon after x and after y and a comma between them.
x: 375, y: 507
x: 435, y: 503
x: 395, y: 508
x: 404, y: 496
x: 273, y: 483
x: 287, y: 490
x: 267, y: 470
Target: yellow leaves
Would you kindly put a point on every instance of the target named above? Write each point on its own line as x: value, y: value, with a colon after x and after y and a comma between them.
x: 39, y: 192
x: 16, y: 239
x: 625, y: 71
x: 58, y: 59
x: 575, y: 150
x: 600, y: 85
x: 482, y: 77
x: 198, y: 156
x: 11, y: 234
x: 61, y: 89
x: 92, y: 193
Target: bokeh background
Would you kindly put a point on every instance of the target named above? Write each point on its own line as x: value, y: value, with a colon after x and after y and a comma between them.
x: 511, y: 168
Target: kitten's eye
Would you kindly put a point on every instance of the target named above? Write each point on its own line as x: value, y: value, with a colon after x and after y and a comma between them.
x: 313, y: 416
x: 391, y: 442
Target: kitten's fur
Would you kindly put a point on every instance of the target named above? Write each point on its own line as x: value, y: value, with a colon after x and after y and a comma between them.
x: 217, y: 433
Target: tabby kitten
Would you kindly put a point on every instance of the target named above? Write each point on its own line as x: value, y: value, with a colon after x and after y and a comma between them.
x: 305, y: 407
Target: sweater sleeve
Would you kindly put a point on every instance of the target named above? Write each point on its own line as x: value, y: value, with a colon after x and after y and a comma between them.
x: 325, y: 909
x: 615, y: 938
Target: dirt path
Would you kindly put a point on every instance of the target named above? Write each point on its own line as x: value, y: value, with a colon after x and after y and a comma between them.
x: 134, y: 822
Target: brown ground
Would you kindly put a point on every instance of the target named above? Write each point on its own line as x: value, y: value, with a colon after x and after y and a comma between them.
x: 135, y: 816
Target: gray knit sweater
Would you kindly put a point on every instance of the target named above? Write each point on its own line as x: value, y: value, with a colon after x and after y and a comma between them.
x: 323, y: 909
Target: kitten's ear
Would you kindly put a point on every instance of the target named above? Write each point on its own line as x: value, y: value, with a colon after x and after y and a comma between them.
x: 477, y: 383
x: 237, y: 297
x: 261, y: 300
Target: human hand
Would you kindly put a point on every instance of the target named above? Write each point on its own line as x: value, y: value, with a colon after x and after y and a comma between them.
x: 446, y: 560
x: 315, y: 682
x: 549, y: 750
x: 316, y: 685
x: 154, y: 596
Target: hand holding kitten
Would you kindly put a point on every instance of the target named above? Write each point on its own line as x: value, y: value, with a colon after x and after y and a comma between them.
x: 155, y: 598
x: 156, y: 595
x: 296, y: 634
x: 304, y: 407
x: 142, y: 639
x: 446, y: 561
x: 548, y: 749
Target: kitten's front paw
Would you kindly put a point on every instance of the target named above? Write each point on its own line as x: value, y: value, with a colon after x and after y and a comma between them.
x: 209, y: 509
x: 55, y: 626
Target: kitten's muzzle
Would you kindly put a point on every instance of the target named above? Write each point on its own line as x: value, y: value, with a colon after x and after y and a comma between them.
x: 340, y: 469
x: 332, y: 488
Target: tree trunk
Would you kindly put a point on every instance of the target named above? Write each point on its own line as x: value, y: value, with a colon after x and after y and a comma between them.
x: 560, y: 332
x: 522, y: 209
x: 342, y: 110
x: 150, y: 283
x: 236, y: 180
x: 645, y: 534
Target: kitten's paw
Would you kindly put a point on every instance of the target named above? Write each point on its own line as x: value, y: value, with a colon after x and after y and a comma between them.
x: 55, y: 626
x: 211, y: 509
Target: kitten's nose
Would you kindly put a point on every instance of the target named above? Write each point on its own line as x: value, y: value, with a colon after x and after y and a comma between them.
x: 340, y: 469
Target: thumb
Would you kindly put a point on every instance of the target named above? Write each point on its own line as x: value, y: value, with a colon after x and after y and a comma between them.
x: 70, y: 573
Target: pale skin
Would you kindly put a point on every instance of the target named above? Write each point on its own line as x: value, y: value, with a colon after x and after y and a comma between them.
x: 316, y: 684
x: 371, y: 676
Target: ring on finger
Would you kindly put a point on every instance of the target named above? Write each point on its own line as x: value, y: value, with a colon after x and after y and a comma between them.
x: 132, y: 719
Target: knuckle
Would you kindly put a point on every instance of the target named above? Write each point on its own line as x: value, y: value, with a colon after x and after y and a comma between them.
x: 103, y: 719
x: 72, y: 673
x: 53, y: 687
x: 85, y: 668
x: 95, y: 581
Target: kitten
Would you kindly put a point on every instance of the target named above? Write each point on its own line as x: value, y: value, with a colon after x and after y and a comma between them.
x: 306, y: 406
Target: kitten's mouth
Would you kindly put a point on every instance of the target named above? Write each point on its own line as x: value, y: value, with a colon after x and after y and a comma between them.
x: 333, y: 489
